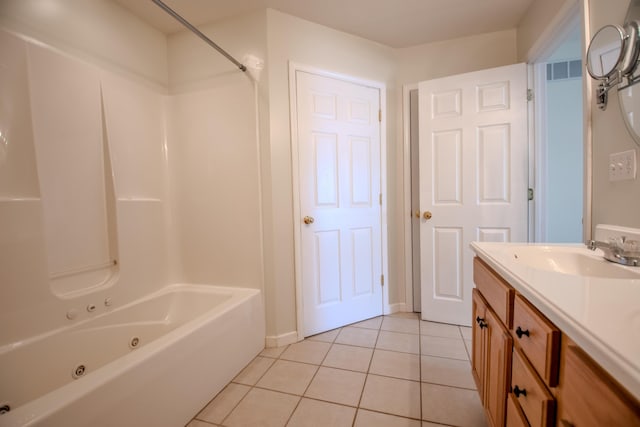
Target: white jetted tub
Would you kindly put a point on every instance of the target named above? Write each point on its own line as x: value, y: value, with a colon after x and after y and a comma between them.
x: 154, y: 362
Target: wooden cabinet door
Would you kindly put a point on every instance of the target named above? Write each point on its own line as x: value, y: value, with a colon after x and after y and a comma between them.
x: 479, y: 309
x: 590, y: 398
x: 497, y: 373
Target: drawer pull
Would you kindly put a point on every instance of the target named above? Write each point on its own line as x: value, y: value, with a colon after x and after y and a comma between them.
x: 519, y: 391
x: 480, y: 321
x: 520, y: 332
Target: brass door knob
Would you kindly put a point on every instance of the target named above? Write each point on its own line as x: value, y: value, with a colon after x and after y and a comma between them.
x: 308, y: 220
x: 417, y: 214
x: 427, y: 215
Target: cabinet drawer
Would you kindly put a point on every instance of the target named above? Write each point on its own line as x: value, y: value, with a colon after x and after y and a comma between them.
x: 538, y: 338
x: 495, y: 290
x: 589, y: 397
x: 531, y: 394
x: 515, y: 416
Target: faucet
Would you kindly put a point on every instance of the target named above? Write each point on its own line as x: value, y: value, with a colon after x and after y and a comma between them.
x: 619, y: 250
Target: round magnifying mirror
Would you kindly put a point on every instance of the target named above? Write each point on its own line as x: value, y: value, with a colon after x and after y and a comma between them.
x: 606, y: 51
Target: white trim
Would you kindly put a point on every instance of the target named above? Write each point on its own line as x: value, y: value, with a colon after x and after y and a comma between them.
x: 533, y: 132
x: 272, y: 341
x: 406, y: 220
x: 587, y: 219
x: 540, y: 151
x: 381, y: 87
x: 399, y: 307
x: 570, y: 12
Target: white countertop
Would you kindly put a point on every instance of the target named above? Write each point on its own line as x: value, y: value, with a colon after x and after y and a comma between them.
x: 602, y: 315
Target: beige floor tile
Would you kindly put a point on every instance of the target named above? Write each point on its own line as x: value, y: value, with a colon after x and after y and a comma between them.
x: 313, y: 413
x: 349, y: 357
x: 392, y: 396
x: 224, y: 403
x: 405, y: 315
x: 466, y: 332
x: 273, y: 352
x: 468, y: 345
x: 329, y: 336
x: 366, y: 418
x: 428, y: 424
x: 198, y: 423
x: 337, y: 385
x: 399, y: 324
x: 262, y: 408
x: 357, y: 336
x: 397, y: 341
x: 254, y: 371
x: 288, y: 377
x: 443, y: 347
x: 307, y: 352
x: 450, y: 405
x: 373, y: 323
x: 395, y: 364
x: 443, y: 371
x: 439, y: 329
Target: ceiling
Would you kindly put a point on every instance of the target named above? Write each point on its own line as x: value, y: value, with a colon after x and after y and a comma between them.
x: 395, y: 23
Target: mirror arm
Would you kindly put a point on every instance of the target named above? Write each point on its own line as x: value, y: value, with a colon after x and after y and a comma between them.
x: 602, y: 93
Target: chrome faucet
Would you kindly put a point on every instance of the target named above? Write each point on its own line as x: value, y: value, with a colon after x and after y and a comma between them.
x: 619, y: 250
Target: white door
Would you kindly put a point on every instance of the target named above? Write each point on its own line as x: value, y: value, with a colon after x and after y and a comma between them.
x: 338, y: 135
x: 473, y: 179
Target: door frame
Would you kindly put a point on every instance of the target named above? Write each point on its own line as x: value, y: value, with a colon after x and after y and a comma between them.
x: 297, y: 233
x: 564, y: 15
x: 407, y: 217
x: 549, y: 40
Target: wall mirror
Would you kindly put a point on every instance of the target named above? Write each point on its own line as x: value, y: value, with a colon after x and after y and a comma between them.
x: 629, y: 91
x: 606, y: 52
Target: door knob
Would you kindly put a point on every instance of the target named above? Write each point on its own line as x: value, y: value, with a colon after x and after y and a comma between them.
x: 308, y: 220
x: 427, y: 215
x: 417, y: 214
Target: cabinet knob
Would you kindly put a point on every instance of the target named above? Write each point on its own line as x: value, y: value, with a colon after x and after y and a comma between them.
x: 519, y: 391
x: 520, y: 332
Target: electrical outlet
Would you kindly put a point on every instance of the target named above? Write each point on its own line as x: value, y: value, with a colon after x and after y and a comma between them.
x: 622, y: 166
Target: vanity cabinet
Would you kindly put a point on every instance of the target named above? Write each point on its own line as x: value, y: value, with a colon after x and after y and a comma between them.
x: 529, y: 374
x: 492, y: 344
x: 590, y: 397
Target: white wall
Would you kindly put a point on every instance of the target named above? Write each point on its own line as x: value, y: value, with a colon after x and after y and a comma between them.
x: 613, y: 202
x: 306, y: 43
x: 538, y: 20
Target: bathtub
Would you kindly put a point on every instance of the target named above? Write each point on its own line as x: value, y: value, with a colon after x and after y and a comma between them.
x: 154, y: 362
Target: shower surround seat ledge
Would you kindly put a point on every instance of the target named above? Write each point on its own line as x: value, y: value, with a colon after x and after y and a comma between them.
x: 155, y: 361
x: 599, y: 313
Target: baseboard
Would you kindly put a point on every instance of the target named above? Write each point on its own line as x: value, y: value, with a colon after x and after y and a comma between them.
x: 271, y: 341
x: 396, y: 308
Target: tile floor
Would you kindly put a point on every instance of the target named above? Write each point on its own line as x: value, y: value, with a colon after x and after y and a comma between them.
x: 387, y: 371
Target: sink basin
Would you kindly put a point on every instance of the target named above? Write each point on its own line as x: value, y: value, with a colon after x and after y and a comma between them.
x: 574, y: 260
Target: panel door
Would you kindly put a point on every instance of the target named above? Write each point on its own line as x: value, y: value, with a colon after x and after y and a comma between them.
x: 339, y: 176
x: 473, y: 179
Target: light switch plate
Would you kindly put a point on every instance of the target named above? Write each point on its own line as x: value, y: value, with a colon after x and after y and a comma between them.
x: 622, y: 166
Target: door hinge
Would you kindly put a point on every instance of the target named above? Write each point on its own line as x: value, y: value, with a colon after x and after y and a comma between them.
x: 530, y: 194
x: 382, y: 280
x: 380, y: 116
x: 529, y: 94
x: 380, y: 199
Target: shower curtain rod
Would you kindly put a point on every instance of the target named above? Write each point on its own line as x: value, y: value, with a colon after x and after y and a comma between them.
x: 198, y: 33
